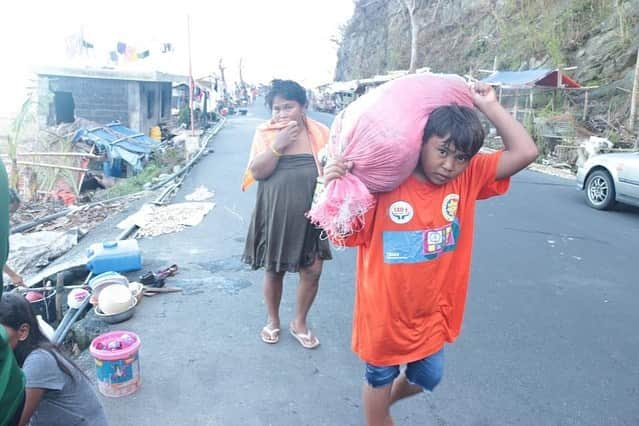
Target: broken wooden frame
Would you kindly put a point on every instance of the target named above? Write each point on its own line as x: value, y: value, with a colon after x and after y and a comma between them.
x: 502, y: 93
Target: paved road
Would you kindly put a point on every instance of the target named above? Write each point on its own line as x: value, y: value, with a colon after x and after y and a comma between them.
x: 549, y: 337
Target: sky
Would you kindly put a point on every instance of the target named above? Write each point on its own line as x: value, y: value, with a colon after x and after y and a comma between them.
x: 274, y: 38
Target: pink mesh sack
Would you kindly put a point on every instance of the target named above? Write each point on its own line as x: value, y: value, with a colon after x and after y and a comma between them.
x: 381, y: 134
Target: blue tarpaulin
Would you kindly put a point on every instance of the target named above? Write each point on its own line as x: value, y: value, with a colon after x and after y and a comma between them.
x: 119, y: 142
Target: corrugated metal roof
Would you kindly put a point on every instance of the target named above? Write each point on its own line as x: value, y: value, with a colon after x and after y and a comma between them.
x: 517, y: 78
x: 529, y: 78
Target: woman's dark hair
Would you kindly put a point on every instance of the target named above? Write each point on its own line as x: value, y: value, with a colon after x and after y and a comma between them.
x: 459, y: 125
x: 289, y: 90
x: 14, y: 198
x: 15, y: 311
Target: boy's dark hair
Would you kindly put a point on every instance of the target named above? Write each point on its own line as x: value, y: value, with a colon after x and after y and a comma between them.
x: 15, y: 310
x: 459, y: 125
x: 287, y: 89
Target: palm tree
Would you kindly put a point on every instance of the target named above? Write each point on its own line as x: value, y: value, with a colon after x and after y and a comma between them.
x: 23, y: 118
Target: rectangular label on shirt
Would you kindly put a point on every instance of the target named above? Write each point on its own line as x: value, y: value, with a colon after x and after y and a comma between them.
x: 419, y: 246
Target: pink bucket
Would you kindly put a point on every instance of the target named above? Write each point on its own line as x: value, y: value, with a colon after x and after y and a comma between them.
x: 117, y: 364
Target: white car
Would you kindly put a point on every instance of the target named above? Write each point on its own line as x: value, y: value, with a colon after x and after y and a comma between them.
x: 608, y: 178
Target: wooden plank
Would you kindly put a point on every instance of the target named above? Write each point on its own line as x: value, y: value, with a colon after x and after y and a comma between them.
x: 55, y: 154
x: 58, y: 154
x: 585, y: 114
x: 52, y: 166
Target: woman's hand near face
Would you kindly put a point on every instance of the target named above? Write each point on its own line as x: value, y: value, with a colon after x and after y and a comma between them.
x: 286, y: 136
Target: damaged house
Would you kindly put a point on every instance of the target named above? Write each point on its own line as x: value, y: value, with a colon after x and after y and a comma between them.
x: 138, y: 100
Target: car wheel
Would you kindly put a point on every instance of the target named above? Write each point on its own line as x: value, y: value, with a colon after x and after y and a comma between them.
x: 600, y: 190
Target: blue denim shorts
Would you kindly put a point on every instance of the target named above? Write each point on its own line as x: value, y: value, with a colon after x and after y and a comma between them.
x: 426, y: 373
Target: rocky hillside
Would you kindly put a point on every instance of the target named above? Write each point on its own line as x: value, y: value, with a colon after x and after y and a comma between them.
x: 599, y: 37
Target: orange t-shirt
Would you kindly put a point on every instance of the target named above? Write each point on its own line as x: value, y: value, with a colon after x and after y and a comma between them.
x: 413, y: 264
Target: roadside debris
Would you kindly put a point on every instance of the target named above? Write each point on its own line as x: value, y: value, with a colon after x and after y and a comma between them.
x: 75, y: 163
x: 32, y: 252
x: 88, y: 216
x: 153, y: 220
x: 201, y: 193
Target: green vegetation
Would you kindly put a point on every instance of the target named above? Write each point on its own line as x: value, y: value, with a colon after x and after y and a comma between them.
x: 135, y: 183
x: 25, y: 116
x: 540, y: 28
x: 184, y: 117
x: 394, y: 59
x: 163, y: 162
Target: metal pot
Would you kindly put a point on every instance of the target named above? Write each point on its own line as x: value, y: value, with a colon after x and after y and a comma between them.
x: 119, y: 317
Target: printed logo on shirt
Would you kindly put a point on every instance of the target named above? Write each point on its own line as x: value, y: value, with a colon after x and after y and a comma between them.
x: 439, y: 240
x: 420, y: 246
x: 449, y: 207
x: 400, y: 212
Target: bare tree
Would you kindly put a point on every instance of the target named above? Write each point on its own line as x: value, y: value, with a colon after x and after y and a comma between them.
x: 241, y: 77
x: 411, y: 7
x: 221, y: 66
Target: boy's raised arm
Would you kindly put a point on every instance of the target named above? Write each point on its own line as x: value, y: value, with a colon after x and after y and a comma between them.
x: 519, y: 148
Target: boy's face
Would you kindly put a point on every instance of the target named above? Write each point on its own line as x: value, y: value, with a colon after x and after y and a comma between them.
x: 440, y: 160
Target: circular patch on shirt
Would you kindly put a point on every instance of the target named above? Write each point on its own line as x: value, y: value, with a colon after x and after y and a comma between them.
x: 449, y: 206
x: 400, y: 212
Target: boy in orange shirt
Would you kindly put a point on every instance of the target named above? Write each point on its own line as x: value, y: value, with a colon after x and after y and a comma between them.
x: 414, y: 250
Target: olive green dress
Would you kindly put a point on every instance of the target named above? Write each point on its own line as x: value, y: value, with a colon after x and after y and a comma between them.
x: 280, y: 237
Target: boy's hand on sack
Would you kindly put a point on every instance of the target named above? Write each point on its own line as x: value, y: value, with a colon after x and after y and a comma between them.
x: 335, y: 169
x: 483, y: 96
x: 287, y: 136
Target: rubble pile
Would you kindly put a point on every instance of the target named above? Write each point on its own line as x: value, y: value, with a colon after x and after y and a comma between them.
x: 87, y: 217
x: 34, y: 210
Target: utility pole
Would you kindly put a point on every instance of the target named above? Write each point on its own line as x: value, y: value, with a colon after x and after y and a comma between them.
x: 222, y: 78
x: 241, y: 76
x: 191, y: 82
x: 633, y: 99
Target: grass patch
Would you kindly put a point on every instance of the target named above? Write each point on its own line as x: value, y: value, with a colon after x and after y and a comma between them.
x: 134, y: 183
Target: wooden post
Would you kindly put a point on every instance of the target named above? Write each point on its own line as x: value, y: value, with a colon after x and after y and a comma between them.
x: 633, y: 98
x: 559, y: 78
x: 516, y: 108
x: 583, y: 118
x: 532, y: 98
x: 59, y: 294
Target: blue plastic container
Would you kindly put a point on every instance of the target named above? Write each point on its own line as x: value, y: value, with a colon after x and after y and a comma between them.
x: 116, y: 256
